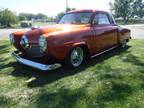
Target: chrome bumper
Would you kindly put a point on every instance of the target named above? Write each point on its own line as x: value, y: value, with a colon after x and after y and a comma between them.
x: 33, y: 64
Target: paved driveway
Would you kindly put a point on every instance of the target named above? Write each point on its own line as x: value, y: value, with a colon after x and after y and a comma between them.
x: 137, y: 31
x: 4, y: 33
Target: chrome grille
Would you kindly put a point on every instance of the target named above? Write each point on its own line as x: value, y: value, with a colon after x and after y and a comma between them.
x: 34, y: 50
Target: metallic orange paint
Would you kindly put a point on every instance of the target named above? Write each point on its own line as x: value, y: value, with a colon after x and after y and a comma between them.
x: 61, y: 38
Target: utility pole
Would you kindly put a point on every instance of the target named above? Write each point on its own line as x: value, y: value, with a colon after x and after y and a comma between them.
x: 66, y: 5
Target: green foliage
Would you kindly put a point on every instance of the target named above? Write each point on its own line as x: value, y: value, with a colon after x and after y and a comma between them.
x: 127, y: 9
x: 23, y: 17
x: 59, y: 16
x: 7, y: 18
x: 70, y: 9
x: 29, y: 16
x: 138, y: 8
x: 122, y: 8
x: 26, y: 16
x: 40, y: 16
x: 112, y: 80
x: 25, y: 24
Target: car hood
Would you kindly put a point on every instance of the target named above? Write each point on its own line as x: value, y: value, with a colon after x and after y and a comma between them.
x: 34, y: 34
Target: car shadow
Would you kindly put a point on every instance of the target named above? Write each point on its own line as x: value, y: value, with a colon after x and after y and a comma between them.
x: 41, y: 78
x: 70, y: 97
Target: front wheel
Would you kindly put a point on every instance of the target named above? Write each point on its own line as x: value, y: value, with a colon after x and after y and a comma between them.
x: 75, y: 58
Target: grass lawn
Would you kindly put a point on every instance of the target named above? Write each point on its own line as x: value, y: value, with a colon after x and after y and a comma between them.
x: 42, y: 23
x: 112, y: 80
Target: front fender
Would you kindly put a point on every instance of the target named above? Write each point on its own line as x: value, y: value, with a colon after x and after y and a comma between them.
x: 60, y: 44
x: 17, y: 38
x: 60, y: 51
x: 79, y: 43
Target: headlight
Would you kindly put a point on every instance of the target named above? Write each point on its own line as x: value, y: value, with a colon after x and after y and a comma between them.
x: 42, y: 43
x: 11, y: 38
x: 24, y: 42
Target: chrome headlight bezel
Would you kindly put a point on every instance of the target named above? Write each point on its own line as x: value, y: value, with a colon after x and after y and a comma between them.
x: 42, y: 43
x: 24, y: 41
x: 11, y: 38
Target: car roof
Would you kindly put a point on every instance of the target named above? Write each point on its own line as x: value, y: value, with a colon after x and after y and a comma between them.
x: 85, y: 10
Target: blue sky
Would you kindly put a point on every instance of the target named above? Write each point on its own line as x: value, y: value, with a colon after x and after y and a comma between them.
x: 52, y: 7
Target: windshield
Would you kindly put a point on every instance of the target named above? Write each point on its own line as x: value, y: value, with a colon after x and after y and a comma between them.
x: 76, y: 18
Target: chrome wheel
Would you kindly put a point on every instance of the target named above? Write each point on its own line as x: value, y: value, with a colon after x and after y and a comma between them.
x: 77, y: 56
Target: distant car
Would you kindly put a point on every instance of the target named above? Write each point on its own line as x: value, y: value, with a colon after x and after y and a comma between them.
x: 78, y: 35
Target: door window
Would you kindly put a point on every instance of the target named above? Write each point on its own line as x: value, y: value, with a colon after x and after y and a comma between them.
x: 101, y: 19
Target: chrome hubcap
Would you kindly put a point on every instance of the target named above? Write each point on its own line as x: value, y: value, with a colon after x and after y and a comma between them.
x: 77, y: 56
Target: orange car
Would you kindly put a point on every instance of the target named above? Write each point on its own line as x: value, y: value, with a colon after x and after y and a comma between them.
x: 78, y: 35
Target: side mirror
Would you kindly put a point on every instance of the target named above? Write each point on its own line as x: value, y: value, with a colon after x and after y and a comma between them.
x: 94, y: 22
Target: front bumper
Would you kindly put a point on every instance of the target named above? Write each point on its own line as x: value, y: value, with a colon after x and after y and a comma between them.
x: 40, y: 66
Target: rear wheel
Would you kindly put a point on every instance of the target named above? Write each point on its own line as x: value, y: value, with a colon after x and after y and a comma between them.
x: 75, y: 58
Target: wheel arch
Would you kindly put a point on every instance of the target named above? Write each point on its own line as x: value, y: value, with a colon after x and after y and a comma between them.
x: 84, y: 46
x: 81, y: 45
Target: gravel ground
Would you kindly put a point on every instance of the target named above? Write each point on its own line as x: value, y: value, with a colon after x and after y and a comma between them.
x: 137, y: 31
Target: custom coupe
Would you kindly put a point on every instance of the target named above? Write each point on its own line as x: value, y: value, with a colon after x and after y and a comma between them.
x: 80, y: 34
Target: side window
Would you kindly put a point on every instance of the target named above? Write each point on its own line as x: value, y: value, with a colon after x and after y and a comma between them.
x: 101, y: 18
x: 95, y: 20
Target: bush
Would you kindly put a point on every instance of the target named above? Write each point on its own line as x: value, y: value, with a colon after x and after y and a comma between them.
x: 7, y: 18
x: 26, y: 24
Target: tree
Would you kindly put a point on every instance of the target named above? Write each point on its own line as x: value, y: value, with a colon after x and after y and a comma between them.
x: 138, y: 8
x: 60, y: 15
x: 22, y: 17
x: 29, y: 16
x: 122, y: 8
x: 70, y: 9
x: 7, y: 18
x: 41, y: 16
x: 26, y: 16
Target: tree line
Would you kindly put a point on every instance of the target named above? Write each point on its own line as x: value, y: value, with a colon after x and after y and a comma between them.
x: 29, y: 16
x: 9, y: 18
x: 125, y: 9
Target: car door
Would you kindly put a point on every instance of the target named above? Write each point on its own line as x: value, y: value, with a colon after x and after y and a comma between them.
x: 105, y: 32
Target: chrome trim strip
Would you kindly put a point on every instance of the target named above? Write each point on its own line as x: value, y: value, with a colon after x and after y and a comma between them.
x: 33, y: 64
x: 104, y: 51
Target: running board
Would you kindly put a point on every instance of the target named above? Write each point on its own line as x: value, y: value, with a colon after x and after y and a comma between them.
x: 104, y: 52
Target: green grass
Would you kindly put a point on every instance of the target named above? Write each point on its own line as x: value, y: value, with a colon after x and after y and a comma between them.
x: 112, y: 80
x: 17, y: 26
x: 42, y: 23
